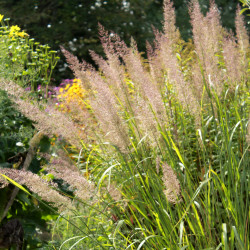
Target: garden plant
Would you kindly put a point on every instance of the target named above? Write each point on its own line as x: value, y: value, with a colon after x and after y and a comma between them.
x: 30, y: 65
x: 147, y: 153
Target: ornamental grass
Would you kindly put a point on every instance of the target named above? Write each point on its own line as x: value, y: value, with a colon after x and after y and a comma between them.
x: 165, y: 164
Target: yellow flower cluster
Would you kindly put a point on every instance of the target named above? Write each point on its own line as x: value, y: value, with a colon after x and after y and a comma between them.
x: 71, y: 94
x: 15, y: 31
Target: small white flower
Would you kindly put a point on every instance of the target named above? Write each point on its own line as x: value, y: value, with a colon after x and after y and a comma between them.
x: 19, y: 144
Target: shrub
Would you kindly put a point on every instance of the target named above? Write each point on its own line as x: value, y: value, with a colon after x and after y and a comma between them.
x: 22, y: 59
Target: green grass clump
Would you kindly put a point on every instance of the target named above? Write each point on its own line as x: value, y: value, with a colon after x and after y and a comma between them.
x: 171, y: 161
x: 164, y: 159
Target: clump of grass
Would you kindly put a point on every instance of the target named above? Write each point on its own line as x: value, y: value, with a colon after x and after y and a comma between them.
x: 169, y: 162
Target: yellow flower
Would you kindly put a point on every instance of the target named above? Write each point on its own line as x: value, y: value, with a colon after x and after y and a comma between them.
x: 14, y: 29
x: 77, y: 81
x: 71, y: 95
x: 22, y: 34
x: 1, y: 17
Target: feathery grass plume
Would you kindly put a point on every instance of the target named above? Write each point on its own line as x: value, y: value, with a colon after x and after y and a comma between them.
x: 63, y: 169
x: 144, y: 103
x: 3, y: 182
x: 165, y: 50
x: 114, y: 192
x: 232, y: 60
x: 79, y: 69
x: 143, y: 81
x: 248, y: 132
x: 196, y: 19
x: 103, y: 103
x: 47, y: 119
x: 145, y: 109
x: 207, y: 35
x: 170, y: 29
x: 38, y: 186
x: 111, y: 68
x: 111, y: 123
x: 145, y: 120
x: 197, y: 81
x: 105, y: 107
x: 148, y: 101
x: 157, y: 163
x: 113, y: 71
x: 242, y: 37
x: 155, y: 67
x: 214, y: 27
x: 114, y: 76
x: 171, y: 183
x: 174, y: 76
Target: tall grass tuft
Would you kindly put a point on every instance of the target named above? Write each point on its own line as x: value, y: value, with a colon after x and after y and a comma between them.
x: 170, y: 158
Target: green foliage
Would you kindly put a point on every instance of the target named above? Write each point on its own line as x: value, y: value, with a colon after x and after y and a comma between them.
x: 29, y: 64
x: 16, y: 130
x: 214, y: 178
x: 24, y: 60
x: 246, y: 5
